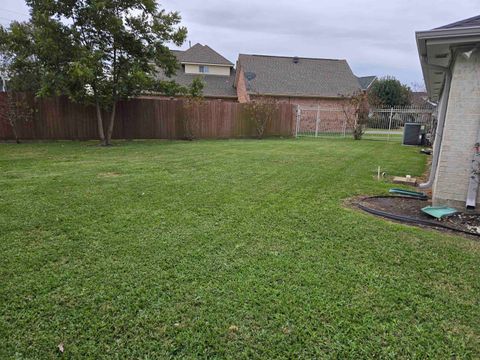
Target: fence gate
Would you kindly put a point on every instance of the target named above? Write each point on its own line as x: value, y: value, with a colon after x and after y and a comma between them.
x: 317, y: 121
x: 383, y: 123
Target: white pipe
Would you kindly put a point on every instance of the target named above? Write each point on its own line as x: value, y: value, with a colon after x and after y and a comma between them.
x: 442, y: 112
x: 472, y: 191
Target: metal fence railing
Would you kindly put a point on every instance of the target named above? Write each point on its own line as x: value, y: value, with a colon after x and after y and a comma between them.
x: 315, y: 121
x: 383, y: 123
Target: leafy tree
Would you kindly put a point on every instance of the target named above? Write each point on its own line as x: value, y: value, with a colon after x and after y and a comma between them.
x: 99, y: 52
x: 195, y: 90
x: 170, y: 88
x: 390, y: 92
x: 17, y: 57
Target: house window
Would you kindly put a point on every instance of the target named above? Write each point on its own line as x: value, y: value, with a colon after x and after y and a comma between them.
x: 203, y: 69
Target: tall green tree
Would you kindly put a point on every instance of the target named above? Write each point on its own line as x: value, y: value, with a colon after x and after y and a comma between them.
x: 390, y: 92
x: 100, y: 51
x: 17, y: 57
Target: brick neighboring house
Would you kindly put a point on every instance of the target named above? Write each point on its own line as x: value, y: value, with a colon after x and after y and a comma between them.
x: 215, y: 70
x: 295, y: 80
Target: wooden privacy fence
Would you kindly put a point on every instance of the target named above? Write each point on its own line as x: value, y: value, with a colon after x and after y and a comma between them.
x: 61, y: 119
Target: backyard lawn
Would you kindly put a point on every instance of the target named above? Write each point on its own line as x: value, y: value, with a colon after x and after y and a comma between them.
x: 223, y: 249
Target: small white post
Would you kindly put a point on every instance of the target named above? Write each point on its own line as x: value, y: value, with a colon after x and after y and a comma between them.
x: 4, y: 81
x: 297, y: 127
x: 390, y: 123
x: 318, y: 121
x: 378, y: 173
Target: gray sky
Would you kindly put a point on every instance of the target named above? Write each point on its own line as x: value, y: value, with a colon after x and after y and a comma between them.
x: 375, y: 36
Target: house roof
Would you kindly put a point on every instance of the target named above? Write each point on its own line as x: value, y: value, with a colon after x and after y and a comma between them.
x: 215, y: 85
x: 420, y: 99
x: 201, y: 54
x: 366, y: 81
x: 470, y: 22
x: 436, y: 54
x: 288, y: 76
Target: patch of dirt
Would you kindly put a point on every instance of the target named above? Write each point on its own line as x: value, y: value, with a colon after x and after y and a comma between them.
x: 410, y: 207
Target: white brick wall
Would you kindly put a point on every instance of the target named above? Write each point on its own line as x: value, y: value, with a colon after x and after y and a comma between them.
x: 460, y: 134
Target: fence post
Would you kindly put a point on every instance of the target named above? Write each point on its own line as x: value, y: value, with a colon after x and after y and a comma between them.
x: 390, y: 124
x: 297, y: 127
x: 318, y: 120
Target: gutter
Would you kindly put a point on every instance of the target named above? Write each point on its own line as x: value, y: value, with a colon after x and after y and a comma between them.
x: 204, y: 63
x: 346, y: 97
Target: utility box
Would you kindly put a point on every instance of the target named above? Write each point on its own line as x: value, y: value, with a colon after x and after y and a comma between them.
x: 412, y: 134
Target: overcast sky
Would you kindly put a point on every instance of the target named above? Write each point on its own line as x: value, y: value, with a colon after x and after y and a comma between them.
x: 375, y: 36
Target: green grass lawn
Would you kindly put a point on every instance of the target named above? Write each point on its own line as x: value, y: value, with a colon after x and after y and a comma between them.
x: 224, y: 249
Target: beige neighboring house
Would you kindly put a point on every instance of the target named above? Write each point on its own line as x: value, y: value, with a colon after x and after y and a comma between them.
x: 450, y: 58
x: 216, y: 71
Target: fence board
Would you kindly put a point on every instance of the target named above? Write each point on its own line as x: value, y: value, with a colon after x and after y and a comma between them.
x: 61, y: 119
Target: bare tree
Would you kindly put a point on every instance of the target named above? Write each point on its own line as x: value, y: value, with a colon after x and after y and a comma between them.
x: 192, y: 106
x: 356, y: 110
x: 15, y: 110
x: 261, y: 111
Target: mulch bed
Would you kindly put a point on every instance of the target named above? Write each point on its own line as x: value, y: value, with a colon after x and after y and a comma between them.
x: 410, y: 207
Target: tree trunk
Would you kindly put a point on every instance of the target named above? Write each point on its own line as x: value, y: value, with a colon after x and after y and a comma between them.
x: 111, y: 124
x: 14, y: 130
x: 101, y: 133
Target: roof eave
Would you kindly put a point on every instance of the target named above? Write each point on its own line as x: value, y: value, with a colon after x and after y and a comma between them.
x: 299, y: 96
x: 446, y: 38
x: 204, y: 63
x: 371, y: 83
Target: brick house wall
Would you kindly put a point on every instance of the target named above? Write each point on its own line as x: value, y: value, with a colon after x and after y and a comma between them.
x: 462, y: 123
x: 241, y: 86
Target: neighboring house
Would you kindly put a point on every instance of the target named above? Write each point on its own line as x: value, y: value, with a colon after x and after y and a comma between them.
x: 216, y: 71
x: 450, y: 58
x: 420, y: 99
x: 295, y: 80
x: 366, y: 82
x: 300, y: 81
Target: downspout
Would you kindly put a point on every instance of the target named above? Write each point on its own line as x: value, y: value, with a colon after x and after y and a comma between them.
x: 472, y: 191
x: 442, y: 112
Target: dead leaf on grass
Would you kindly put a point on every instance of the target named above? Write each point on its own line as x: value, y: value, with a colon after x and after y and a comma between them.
x: 233, y: 328
x: 108, y: 174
